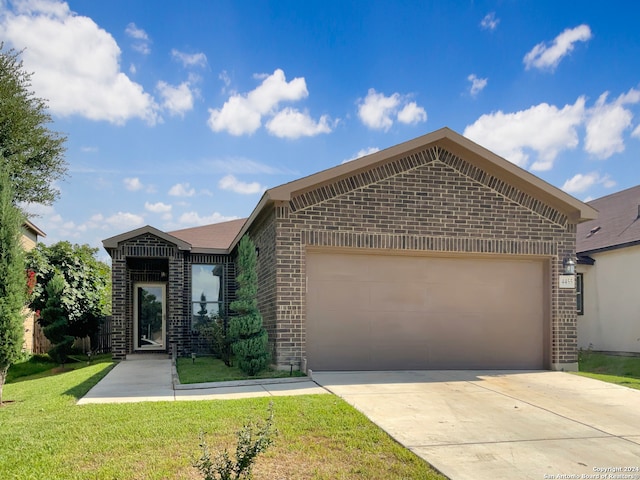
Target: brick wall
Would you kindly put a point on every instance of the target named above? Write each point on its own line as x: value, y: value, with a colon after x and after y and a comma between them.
x: 263, y: 235
x: 145, y: 246
x: 152, y: 259
x: 431, y: 201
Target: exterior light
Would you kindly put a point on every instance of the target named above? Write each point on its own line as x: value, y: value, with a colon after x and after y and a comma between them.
x: 569, y: 266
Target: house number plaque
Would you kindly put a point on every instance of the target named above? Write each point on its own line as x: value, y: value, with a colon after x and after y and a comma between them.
x: 567, y: 281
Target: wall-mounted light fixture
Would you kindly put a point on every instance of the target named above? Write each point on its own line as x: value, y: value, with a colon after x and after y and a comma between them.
x: 257, y: 252
x: 569, y: 266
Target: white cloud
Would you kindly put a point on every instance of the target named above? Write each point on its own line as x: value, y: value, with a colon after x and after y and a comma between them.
x: 376, y: 110
x: 189, y: 59
x: 142, y: 39
x: 606, y: 123
x: 580, y: 183
x: 490, y: 22
x: 242, y: 114
x: 291, y: 123
x: 177, y: 100
x: 195, y: 219
x: 548, y: 56
x: 412, y: 114
x: 231, y: 183
x: 477, y: 84
x: 636, y: 132
x: 362, y: 153
x: 158, y: 207
x: 76, y: 63
x: 543, y: 128
x: 123, y: 221
x: 133, y: 184
x: 182, y: 190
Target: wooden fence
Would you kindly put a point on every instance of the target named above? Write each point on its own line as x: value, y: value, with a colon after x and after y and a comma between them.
x: 41, y: 344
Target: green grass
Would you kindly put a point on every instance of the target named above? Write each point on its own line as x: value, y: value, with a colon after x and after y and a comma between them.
x: 210, y: 369
x: 610, y: 368
x: 38, y: 366
x: 45, y: 435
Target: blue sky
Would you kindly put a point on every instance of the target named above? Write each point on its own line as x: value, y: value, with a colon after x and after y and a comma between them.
x: 181, y: 113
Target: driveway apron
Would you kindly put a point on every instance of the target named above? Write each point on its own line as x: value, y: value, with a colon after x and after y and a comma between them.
x: 502, y: 424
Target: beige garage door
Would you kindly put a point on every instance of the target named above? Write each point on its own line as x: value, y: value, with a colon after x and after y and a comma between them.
x: 393, y: 312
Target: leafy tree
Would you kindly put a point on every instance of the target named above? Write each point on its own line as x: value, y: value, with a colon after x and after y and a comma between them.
x: 30, y: 152
x: 87, y: 296
x: 250, y: 339
x: 54, y: 322
x: 12, y: 280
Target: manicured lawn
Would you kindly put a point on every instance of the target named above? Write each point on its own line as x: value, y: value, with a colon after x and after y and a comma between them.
x: 210, y: 369
x: 44, y: 435
x: 611, y: 368
x: 43, y: 366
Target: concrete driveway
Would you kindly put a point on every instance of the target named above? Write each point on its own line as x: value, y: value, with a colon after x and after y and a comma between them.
x: 499, y: 425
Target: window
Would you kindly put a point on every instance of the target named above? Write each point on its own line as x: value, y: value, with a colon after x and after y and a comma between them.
x: 579, y: 294
x: 206, y: 293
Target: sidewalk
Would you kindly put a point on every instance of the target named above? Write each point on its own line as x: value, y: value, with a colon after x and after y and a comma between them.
x: 149, y: 380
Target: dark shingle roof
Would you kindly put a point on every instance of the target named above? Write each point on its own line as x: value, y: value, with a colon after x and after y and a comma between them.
x: 617, y: 225
x: 217, y: 235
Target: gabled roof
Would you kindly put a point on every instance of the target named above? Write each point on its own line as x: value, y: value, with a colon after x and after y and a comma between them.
x: 617, y: 225
x: 223, y: 237
x: 451, y: 141
x: 216, y: 236
x: 112, y: 242
x: 33, y: 228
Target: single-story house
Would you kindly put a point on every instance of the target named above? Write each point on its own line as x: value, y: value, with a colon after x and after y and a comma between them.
x: 432, y: 254
x: 608, y: 251
x: 33, y: 336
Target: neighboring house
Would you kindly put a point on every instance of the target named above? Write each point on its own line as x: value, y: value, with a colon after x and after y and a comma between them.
x: 608, y: 251
x: 32, y: 334
x: 433, y: 254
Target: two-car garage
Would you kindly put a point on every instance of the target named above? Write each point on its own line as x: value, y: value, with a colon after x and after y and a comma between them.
x: 380, y: 311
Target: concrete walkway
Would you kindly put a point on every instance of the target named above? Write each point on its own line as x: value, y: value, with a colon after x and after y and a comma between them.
x: 150, y: 380
x: 488, y: 425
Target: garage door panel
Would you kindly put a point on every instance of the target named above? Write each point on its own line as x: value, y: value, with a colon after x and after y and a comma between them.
x: 395, y: 312
x: 338, y: 295
x: 394, y: 297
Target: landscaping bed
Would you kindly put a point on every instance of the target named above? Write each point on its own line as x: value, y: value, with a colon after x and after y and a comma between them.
x: 210, y: 369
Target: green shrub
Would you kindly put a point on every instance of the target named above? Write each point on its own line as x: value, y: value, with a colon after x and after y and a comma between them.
x: 250, y: 339
x: 250, y: 444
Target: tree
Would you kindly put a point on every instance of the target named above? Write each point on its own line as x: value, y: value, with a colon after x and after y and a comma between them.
x: 55, y: 324
x: 30, y: 152
x: 12, y: 280
x: 87, y: 295
x: 250, y: 339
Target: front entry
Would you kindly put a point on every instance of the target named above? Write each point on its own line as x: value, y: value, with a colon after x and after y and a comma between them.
x: 149, y: 316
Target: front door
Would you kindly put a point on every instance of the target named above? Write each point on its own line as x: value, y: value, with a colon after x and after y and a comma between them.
x: 149, y: 316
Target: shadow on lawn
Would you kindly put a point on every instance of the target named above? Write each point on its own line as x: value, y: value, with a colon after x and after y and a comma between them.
x: 80, y: 390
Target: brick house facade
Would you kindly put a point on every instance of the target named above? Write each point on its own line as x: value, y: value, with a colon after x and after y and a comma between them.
x: 411, y: 218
